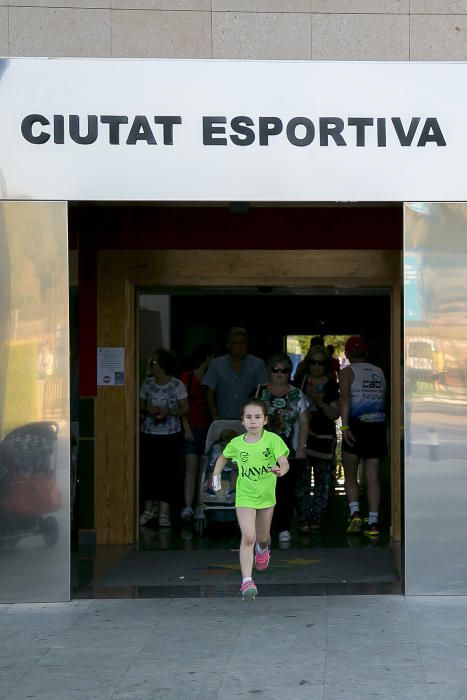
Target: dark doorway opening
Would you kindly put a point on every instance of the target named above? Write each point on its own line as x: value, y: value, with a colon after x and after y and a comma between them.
x: 179, y: 560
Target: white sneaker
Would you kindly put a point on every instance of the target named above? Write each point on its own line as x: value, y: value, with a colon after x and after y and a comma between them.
x: 284, y: 536
x: 164, y: 520
x: 187, y: 513
x: 147, y: 515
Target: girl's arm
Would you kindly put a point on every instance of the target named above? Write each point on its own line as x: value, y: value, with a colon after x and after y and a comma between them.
x: 282, y: 466
x: 221, y: 461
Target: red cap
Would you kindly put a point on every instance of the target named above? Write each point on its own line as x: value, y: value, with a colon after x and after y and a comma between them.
x: 355, y: 345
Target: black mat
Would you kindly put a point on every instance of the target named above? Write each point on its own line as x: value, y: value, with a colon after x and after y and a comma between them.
x: 293, y: 566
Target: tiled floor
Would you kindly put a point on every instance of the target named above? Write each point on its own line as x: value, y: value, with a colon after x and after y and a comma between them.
x: 339, y: 647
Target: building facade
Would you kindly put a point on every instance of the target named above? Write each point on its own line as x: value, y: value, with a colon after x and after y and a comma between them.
x: 107, y: 276
x: 323, y: 30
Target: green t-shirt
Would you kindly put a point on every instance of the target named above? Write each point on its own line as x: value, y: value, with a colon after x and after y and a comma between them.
x: 256, y: 483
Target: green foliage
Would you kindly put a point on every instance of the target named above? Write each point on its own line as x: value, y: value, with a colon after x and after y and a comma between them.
x: 337, y: 340
x: 304, y: 342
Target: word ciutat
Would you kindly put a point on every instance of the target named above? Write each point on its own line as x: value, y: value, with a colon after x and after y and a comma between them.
x: 238, y: 131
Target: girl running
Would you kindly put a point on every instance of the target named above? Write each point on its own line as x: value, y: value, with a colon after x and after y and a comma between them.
x: 261, y: 456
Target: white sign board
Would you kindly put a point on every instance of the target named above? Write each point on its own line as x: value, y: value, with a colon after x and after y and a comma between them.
x: 167, y: 130
x: 110, y: 366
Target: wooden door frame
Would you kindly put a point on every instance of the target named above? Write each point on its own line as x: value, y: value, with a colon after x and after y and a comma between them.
x: 120, y: 272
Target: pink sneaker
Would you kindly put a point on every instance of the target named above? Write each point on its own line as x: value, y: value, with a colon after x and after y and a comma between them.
x: 262, y: 559
x: 248, y: 590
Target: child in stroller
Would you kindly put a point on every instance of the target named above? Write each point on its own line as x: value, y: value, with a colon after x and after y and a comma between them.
x: 228, y: 475
x: 220, y: 505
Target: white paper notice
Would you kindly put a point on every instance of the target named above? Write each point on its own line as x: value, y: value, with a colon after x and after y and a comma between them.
x: 110, y: 366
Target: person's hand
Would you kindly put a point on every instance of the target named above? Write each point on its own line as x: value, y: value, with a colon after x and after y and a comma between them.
x: 300, y: 452
x: 279, y: 470
x: 348, y: 437
x: 158, y: 412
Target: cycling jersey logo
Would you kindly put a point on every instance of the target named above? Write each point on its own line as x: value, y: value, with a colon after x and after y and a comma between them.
x: 373, y: 383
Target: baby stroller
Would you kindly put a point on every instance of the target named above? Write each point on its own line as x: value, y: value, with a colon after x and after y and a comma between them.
x: 222, y: 501
x: 28, y: 485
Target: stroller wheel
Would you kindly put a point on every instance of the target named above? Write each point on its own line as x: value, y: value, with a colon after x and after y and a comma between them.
x: 49, y: 530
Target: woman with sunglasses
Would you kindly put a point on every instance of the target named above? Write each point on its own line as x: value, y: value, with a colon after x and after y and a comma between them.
x: 163, y: 402
x: 288, y: 418
x: 322, y: 393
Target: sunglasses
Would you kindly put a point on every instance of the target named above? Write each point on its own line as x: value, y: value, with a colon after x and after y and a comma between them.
x: 281, y: 370
x: 319, y: 363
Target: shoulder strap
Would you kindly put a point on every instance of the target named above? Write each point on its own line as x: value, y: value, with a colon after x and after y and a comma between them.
x: 258, y: 390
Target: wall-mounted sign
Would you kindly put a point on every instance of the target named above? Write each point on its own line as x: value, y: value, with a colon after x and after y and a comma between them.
x: 110, y: 366
x: 167, y: 130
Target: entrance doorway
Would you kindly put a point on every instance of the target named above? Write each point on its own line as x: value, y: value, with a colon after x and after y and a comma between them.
x: 330, y: 562
x: 278, y: 275
x: 181, y: 318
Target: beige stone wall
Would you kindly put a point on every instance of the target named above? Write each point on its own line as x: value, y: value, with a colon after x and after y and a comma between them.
x: 243, y: 29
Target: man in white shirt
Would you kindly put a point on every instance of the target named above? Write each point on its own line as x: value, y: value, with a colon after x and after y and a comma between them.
x: 362, y: 399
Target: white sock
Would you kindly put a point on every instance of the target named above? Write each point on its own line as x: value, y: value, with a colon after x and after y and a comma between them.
x: 354, y: 507
x: 261, y: 550
x: 372, y: 518
x: 246, y: 579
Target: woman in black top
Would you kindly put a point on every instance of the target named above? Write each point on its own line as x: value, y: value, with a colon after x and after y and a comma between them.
x: 322, y: 393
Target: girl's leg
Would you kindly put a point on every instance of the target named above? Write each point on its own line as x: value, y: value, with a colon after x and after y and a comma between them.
x: 247, y: 520
x: 263, y: 526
